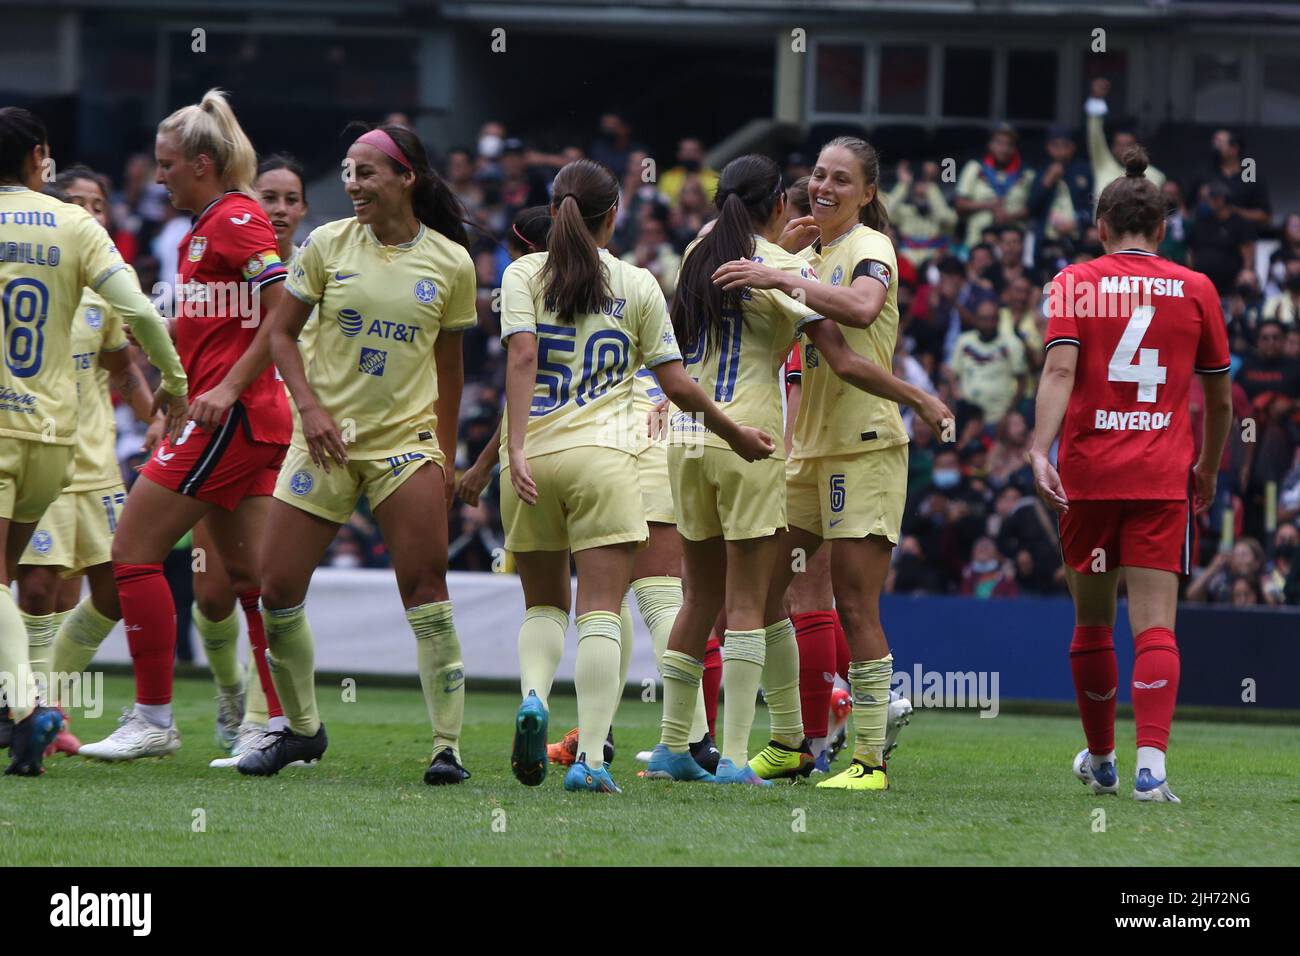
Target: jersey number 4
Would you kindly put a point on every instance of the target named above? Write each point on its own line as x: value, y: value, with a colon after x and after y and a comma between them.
x: 1147, y: 373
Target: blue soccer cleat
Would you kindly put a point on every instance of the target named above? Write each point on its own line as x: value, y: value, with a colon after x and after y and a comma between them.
x: 580, y: 777
x: 823, y: 762
x: 666, y: 765
x: 31, y: 736
x: 1103, y: 779
x: 528, y: 756
x: 1150, y: 790
x: 728, y: 772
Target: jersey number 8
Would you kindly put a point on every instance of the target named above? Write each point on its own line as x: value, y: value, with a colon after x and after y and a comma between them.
x: 24, y: 306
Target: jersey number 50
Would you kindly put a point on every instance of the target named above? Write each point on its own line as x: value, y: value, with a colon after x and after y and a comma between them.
x: 24, y: 305
x: 604, y: 363
x: 1148, y: 372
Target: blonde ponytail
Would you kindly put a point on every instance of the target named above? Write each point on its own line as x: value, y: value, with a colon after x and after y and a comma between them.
x: 210, y: 128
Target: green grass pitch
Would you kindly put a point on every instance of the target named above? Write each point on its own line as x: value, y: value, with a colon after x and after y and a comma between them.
x: 965, y: 790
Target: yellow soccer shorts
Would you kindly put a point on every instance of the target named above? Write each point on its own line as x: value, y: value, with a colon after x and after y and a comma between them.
x: 586, y: 498
x: 333, y: 495
x: 719, y: 494
x: 76, y: 532
x: 656, y: 490
x: 32, y: 475
x: 849, y: 496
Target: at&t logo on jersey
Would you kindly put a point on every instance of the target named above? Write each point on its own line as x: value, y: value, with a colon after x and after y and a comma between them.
x: 350, y: 322
x: 42, y: 541
x: 372, y: 361
x: 1132, y: 421
x: 426, y: 291
x: 94, y: 318
x: 301, y: 483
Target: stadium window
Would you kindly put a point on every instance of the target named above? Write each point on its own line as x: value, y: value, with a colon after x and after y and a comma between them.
x: 1216, y: 87
x: 1280, y: 96
x: 967, y: 82
x: 838, y: 83
x: 904, y: 80
x: 1031, y: 85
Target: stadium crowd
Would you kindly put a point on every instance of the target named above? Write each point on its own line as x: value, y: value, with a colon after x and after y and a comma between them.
x: 976, y: 245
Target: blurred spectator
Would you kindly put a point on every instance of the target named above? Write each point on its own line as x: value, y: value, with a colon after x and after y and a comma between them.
x: 911, y: 573
x: 989, y: 367
x: 995, y: 189
x: 988, y: 574
x: 1222, y: 243
x: 1246, y: 306
x: 1214, y: 583
x: 653, y: 251
x: 1245, y: 591
x: 1286, y: 545
x: 1178, y: 226
x: 1022, y: 316
x: 690, y: 166
x: 613, y: 143
x: 460, y: 177
x: 1060, y: 199
x: 1108, y: 159
x: 1288, y: 250
x: 1285, y: 305
x: 920, y: 213
x: 1247, y: 195
x: 1010, y: 444
x: 688, y: 217
x: 1010, y: 258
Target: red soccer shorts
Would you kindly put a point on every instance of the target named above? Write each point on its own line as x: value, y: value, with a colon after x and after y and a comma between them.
x: 222, y: 467
x: 1100, y: 536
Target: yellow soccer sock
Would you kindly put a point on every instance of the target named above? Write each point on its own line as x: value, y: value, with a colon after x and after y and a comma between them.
x: 743, y: 653
x: 292, y: 659
x: 541, y: 645
x: 221, y: 645
x: 625, y: 638
x: 700, y: 722
x: 682, y: 675
x: 80, y: 635
x: 15, y: 671
x: 870, y: 683
x: 658, y: 599
x: 596, y: 680
x: 781, y: 683
x: 41, y: 629
x: 442, y: 672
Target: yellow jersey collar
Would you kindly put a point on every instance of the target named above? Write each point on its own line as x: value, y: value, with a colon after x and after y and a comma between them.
x: 411, y: 244
x: 836, y: 242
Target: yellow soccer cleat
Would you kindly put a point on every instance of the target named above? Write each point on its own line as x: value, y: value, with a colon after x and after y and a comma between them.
x: 777, y: 761
x: 857, y: 777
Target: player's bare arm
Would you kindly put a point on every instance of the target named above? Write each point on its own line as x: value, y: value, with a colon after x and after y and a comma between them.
x: 856, y: 305
x: 1054, y: 390
x: 521, y: 378
x: 282, y: 327
x: 683, y: 391
x: 125, y: 377
x: 449, y: 363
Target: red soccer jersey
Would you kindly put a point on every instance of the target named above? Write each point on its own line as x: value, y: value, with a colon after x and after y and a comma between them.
x: 1143, y: 326
x: 228, y: 252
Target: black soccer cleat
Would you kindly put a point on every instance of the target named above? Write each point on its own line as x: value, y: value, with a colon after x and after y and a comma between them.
x: 30, y: 737
x: 6, y: 728
x: 609, y: 746
x: 282, y: 748
x: 445, y: 769
x: 706, y: 753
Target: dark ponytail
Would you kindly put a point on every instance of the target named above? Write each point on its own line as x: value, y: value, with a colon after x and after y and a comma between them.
x: 873, y: 213
x: 1133, y: 205
x: 576, y: 283
x: 748, y: 192
x: 20, y: 133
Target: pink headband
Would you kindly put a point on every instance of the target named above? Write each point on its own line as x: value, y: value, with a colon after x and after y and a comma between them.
x: 386, y: 145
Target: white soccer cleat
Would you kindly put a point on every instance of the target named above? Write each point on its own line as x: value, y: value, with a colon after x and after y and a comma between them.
x: 1104, y: 779
x: 230, y: 714
x: 900, y: 715
x: 134, y: 738
x: 644, y: 755
x: 1147, y: 789
x: 246, y: 740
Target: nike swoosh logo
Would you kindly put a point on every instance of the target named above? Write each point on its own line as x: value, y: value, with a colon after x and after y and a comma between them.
x: 340, y: 276
x: 835, y: 522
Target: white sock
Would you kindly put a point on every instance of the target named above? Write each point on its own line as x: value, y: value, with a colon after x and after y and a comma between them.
x: 160, y: 715
x: 1153, y: 759
x: 817, y: 745
x: 275, y: 724
x: 1099, y: 759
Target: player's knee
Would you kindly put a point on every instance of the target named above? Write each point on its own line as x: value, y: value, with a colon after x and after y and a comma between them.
x: 215, y: 605
x: 37, y: 592
x: 422, y: 589
x: 858, y: 616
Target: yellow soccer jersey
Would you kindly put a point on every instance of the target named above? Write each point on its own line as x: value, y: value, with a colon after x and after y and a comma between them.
x: 585, y: 369
x: 646, y: 394
x: 834, y: 417
x: 96, y: 329
x: 49, y: 251
x: 744, y: 376
x: 380, y: 309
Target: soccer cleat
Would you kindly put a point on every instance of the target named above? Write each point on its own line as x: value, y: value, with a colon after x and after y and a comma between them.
x: 666, y: 765
x: 248, y: 737
x: 31, y: 736
x: 282, y: 748
x: 445, y: 768
x: 230, y: 715
x: 779, y: 762
x: 580, y: 777
x: 1103, y: 779
x: 900, y: 715
x: 728, y: 772
x: 706, y: 753
x: 823, y: 762
x: 858, y: 776
x: 565, y: 752
x: 6, y: 728
x: 65, y: 742
x: 134, y: 738
x: 838, y: 742
x: 528, y: 755
x: 1150, y: 790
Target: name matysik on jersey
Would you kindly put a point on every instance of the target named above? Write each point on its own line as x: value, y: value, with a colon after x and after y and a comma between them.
x: 1143, y: 327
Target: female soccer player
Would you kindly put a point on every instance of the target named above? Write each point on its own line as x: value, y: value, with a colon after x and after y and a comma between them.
x: 847, y: 475
x: 38, y: 408
x: 578, y: 323
x: 728, y: 512
x: 377, y: 402
x: 1115, y: 387
x: 74, y: 535
x: 225, y: 462
x: 241, y: 707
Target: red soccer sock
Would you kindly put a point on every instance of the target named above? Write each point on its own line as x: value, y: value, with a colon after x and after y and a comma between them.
x: 149, y: 615
x: 842, y: 656
x: 1156, y: 667
x: 815, y: 632
x: 712, y: 681
x: 249, y: 600
x: 1096, y: 682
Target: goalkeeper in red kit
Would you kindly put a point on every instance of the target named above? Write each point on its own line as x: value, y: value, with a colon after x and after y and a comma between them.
x: 1125, y: 334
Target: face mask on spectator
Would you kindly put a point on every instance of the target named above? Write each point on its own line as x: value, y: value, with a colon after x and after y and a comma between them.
x: 984, y: 567
x: 346, y: 560
x: 1246, y: 291
x: 691, y: 165
x: 946, y: 477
